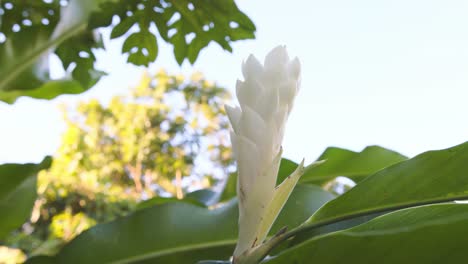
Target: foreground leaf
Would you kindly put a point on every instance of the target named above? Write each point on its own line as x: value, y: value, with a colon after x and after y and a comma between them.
x: 17, y: 193
x: 24, y: 56
x: 33, y: 30
x: 426, y: 234
x: 178, y: 232
x: 431, y: 177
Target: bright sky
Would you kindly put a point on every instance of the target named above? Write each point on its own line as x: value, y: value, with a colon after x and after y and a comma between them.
x: 390, y: 73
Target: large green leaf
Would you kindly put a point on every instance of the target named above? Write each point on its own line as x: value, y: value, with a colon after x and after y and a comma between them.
x: 430, y: 177
x: 34, y: 29
x: 178, y: 232
x: 354, y: 165
x: 188, y: 25
x: 24, y: 55
x: 204, y: 197
x: 17, y: 193
x: 426, y: 234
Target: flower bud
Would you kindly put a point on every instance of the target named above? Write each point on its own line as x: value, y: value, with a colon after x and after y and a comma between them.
x: 266, y: 97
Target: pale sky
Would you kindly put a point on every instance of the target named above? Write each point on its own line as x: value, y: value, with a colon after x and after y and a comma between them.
x: 392, y: 73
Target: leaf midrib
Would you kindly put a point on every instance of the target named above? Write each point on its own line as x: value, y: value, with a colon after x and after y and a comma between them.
x: 374, y: 210
x: 173, y: 250
x: 31, y: 57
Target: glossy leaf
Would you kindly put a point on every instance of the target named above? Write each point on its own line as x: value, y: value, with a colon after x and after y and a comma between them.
x: 178, y: 232
x: 430, y: 177
x: 426, y: 234
x: 17, y: 193
x: 354, y: 165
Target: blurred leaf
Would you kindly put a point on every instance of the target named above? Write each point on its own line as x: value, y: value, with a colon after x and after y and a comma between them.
x: 426, y: 234
x: 162, y: 200
x: 229, y: 190
x: 213, y: 262
x: 34, y: 30
x: 49, y: 248
x: 354, y: 165
x: 18, y: 193
x: 24, y: 56
x: 217, y: 20
x: 179, y: 232
x: 206, y: 197
x: 41, y: 260
x: 142, y: 48
x: 114, y: 156
x: 202, y: 198
x: 430, y: 177
x: 188, y: 25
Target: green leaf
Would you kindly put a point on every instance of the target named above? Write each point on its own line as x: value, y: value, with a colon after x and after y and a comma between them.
x: 430, y: 177
x: 179, y: 232
x: 122, y: 28
x: 205, y: 197
x: 354, y: 165
x: 142, y: 48
x: 24, y: 56
x: 188, y: 25
x: 41, y: 260
x: 287, y: 167
x: 426, y: 234
x: 229, y: 190
x: 213, y: 262
x: 17, y: 193
x: 69, y: 31
x: 209, y: 21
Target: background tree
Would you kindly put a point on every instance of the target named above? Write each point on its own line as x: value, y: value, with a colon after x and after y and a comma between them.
x: 168, y: 137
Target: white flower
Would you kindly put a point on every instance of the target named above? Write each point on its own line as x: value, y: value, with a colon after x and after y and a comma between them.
x: 266, y: 98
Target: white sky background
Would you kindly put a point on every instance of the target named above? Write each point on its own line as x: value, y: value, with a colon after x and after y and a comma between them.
x: 392, y: 73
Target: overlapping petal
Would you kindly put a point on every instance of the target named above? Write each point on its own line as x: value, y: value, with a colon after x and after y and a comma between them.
x: 265, y: 97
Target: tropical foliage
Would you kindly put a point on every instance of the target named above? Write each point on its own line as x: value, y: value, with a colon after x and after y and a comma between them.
x: 33, y: 30
x: 142, y: 179
x: 141, y: 146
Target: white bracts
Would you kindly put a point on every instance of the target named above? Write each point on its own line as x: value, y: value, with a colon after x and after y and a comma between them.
x: 266, y: 98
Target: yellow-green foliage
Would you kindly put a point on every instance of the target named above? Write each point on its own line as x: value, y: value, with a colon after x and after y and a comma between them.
x: 168, y: 136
